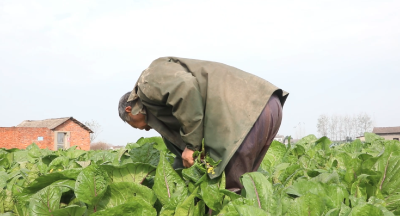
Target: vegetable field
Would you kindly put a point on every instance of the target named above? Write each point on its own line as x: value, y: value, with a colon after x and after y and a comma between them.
x: 311, y: 177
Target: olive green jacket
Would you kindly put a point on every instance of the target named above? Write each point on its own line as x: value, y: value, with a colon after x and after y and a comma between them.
x: 187, y: 100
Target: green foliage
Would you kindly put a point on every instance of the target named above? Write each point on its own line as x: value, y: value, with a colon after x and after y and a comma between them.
x: 91, y: 184
x: 169, y: 187
x: 310, y: 177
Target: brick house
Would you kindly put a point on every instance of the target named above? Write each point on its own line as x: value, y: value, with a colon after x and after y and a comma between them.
x: 389, y: 133
x: 53, y: 134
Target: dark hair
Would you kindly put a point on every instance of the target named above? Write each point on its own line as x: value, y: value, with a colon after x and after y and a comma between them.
x: 123, y: 103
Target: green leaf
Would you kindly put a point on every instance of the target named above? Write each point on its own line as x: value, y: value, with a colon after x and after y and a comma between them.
x: 83, y: 164
x: 381, y: 204
x: 103, y: 157
x: 21, y: 207
x: 73, y: 153
x: 298, y: 150
x: 91, y: 184
x: 187, y: 206
x: 211, y: 161
x: 273, y: 157
x: 45, y: 201
x: 365, y: 186
x: 168, y: 185
x: 121, y: 192
x: 34, y: 150
x: 72, y: 210
x: 232, y: 196
x: 328, y: 178
x: 131, y: 146
x: 134, y: 207
x: 279, y: 169
x: 21, y: 156
x: 373, y: 138
x: 344, y: 210
x: 58, y: 164
x: 323, y: 144
x: 335, y: 195
x: 3, y: 179
x: 353, y: 148
x: 307, y: 141
x: 146, y: 154
x: 123, y: 157
x: 167, y: 212
x: 49, y: 158
x: 333, y: 212
x: 199, y: 209
x: 393, y: 203
x: 6, y: 201
x: 289, y: 174
x: 390, y: 180
x: 303, y: 187
x: 131, y: 172
x: 229, y: 209
x: 210, y: 193
x: 244, y: 210
x: 158, y: 141
x: 309, y: 204
x: 65, y: 183
x: 46, y: 180
x: 260, y: 189
x: 364, y: 156
x: 365, y: 210
x: 194, y: 173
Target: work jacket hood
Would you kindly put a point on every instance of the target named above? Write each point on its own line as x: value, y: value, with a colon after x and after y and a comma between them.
x: 190, y: 100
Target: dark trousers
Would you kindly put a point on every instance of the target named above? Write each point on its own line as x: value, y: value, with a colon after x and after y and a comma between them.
x: 251, y: 152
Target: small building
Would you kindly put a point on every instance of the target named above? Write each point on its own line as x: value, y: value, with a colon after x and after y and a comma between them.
x: 279, y: 138
x: 361, y: 138
x: 389, y: 133
x: 54, y: 134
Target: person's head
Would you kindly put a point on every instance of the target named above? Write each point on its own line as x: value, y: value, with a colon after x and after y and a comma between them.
x: 133, y: 112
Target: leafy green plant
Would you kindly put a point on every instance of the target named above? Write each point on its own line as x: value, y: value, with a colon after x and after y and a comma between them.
x: 310, y: 177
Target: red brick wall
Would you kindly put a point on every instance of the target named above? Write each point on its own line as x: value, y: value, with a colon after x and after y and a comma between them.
x: 79, y: 136
x: 21, y: 137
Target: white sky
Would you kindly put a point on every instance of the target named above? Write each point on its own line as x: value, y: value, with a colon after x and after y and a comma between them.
x: 76, y: 58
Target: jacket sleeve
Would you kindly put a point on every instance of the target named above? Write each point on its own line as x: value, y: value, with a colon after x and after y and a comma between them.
x: 178, y: 89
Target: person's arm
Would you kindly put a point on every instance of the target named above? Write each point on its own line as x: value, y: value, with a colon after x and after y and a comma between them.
x: 178, y: 89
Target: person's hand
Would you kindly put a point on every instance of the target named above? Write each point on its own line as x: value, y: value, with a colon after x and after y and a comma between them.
x: 187, y: 156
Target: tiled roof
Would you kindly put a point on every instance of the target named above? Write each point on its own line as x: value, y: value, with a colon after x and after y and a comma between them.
x: 51, y: 123
x: 386, y: 130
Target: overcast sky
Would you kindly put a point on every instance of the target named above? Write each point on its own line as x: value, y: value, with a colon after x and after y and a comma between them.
x: 76, y: 58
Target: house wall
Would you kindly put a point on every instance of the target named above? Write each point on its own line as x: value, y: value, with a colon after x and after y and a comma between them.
x: 78, y: 136
x: 390, y: 136
x: 21, y: 137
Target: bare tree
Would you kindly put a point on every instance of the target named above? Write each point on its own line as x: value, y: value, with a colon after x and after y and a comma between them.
x: 354, y: 124
x: 95, y: 127
x: 100, y: 146
x: 344, y: 127
x: 341, y: 131
x: 322, y: 125
x: 365, y: 123
x: 347, y: 126
x: 333, y: 127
